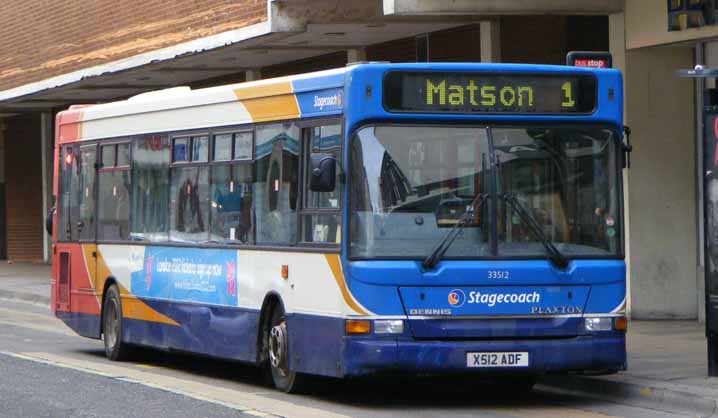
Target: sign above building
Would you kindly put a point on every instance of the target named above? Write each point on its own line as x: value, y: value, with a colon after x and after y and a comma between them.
x: 589, y: 59
x: 483, y: 92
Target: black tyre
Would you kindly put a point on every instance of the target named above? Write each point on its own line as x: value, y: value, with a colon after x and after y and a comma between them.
x: 283, y: 378
x: 115, y: 348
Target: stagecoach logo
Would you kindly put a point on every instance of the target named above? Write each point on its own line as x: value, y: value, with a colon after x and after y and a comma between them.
x: 333, y: 100
x: 457, y: 298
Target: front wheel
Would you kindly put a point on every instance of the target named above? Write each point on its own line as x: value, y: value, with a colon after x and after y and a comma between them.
x: 115, y: 348
x: 283, y: 378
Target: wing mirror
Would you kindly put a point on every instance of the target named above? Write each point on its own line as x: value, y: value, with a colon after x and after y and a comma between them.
x: 323, y: 170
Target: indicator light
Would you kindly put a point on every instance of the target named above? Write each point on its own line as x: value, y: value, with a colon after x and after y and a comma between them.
x: 621, y: 324
x: 357, y: 326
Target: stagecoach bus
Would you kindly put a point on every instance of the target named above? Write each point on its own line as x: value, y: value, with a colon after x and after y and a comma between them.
x: 422, y: 218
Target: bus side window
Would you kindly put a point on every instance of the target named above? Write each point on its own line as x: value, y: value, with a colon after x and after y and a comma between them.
x: 321, y: 213
x: 85, y: 193
x: 276, y: 183
x: 114, y: 192
x: 189, y: 190
x: 67, y: 161
x: 232, y: 175
x: 150, y: 188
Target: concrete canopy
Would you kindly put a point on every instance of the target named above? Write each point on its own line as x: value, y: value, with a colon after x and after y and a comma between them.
x: 503, y: 7
x: 293, y: 31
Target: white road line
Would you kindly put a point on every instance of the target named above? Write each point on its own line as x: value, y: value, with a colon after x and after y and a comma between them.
x: 248, y: 403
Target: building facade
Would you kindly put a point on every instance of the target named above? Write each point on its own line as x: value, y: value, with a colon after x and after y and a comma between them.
x: 57, y: 53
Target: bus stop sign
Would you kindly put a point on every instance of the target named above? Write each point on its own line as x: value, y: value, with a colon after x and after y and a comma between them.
x: 589, y: 59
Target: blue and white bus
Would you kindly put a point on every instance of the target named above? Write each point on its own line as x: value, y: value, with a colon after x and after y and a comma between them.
x: 380, y: 218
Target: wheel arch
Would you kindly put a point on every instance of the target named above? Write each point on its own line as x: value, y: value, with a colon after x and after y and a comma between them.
x: 271, y: 300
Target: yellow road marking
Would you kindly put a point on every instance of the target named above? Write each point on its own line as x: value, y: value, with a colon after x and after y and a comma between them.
x: 249, y: 403
x: 147, y: 366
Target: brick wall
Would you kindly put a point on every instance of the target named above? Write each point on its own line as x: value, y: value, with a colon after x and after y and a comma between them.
x: 45, y: 38
x: 23, y: 188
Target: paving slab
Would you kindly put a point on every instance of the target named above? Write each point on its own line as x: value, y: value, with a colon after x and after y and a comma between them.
x: 667, y: 370
x: 26, y: 282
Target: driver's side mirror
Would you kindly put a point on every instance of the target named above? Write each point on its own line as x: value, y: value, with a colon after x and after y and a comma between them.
x: 322, y: 172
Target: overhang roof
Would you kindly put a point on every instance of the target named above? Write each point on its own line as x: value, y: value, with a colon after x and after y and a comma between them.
x: 291, y: 33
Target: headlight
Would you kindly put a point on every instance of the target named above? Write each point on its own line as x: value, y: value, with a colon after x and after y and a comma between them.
x: 388, y: 326
x: 598, y: 324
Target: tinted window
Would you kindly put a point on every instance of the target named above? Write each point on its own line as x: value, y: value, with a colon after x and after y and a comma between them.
x: 114, y: 205
x: 223, y: 147
x: 326, y: 140
x: 84, y: 192
x: 200, y: 148
x: 150, y: 188
x: 189, y: 204
x: 322, y: 228
x: 180, y: 149
x: 108, y: 155
x: 243, y: 145
x: 231, y: 204
x: 276, y: 186
x: 123, y: 155
x: 67, y: 157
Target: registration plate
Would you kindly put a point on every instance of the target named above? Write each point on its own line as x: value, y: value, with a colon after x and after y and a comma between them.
x: 512, y: 359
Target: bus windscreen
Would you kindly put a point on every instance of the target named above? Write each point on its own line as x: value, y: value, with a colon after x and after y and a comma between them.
x: 472, y: 93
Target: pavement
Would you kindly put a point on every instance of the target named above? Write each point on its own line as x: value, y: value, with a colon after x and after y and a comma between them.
x: 667, y: 360
x: 25, y: 282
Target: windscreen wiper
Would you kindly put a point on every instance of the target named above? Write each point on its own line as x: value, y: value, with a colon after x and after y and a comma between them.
x: 554, y: 255
x: 439, y: 251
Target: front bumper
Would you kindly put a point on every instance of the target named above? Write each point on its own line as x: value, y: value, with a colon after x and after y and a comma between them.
x: 373, y: 355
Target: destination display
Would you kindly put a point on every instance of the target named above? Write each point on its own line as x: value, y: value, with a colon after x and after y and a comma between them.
x: 443, y: 92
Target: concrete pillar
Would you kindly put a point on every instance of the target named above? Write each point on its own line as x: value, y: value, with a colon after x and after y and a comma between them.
x: 660, y: 109
x: 356, y: 55
x: 617, y: 47
x: 490, y: 32
x: 46, y: 148
x: 700, y: 58
x: 252, y: 75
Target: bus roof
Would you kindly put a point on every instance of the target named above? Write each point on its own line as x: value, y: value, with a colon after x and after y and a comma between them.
x: 291, y: 97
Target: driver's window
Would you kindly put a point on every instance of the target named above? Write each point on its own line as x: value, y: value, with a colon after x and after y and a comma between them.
x: 321, y: 216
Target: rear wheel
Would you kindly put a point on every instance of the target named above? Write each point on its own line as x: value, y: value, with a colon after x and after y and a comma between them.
x: 115, y: 348
x: 283, y: 378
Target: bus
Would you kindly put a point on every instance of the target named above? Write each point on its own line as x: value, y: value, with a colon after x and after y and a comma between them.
x: 419, y: 218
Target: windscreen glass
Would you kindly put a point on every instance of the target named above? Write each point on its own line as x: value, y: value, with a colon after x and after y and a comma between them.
x: 411, y: 184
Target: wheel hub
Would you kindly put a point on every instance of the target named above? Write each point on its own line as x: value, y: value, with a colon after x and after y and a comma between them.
x: 278, y: 346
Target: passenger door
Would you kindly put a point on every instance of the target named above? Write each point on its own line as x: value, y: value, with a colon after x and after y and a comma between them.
x: 75, y: 250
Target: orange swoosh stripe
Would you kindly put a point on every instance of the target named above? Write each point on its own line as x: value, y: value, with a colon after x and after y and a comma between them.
x: 335, y: 266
